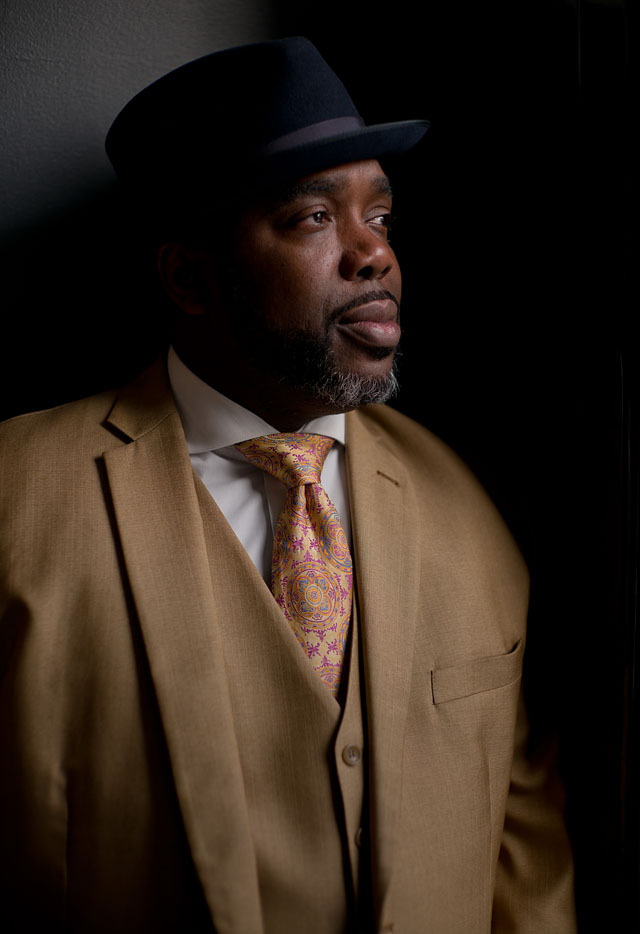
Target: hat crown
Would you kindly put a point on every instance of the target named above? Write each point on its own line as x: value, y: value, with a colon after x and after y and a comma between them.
x: 254, y: 93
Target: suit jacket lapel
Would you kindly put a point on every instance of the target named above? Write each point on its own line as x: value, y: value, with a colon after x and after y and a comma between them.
x: 160, y: 530
x: 385, y: 534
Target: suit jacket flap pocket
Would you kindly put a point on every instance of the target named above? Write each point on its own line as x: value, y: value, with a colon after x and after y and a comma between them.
x: 480, y: 674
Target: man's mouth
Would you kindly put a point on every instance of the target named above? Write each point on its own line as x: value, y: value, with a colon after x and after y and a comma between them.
x: 371, y: 320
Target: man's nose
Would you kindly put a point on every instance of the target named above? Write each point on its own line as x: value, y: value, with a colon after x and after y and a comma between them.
x: 365, y: 255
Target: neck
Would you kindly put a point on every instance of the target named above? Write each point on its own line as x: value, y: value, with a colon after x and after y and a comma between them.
x: 285, y: 408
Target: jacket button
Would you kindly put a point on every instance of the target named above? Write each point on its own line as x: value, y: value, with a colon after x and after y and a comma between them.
x: 351, y: 754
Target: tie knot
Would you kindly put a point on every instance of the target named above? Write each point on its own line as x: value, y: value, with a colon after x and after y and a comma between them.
x: 294, y: 458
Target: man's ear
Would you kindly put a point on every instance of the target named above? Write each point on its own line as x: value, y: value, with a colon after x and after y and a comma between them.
x: 181, y: 271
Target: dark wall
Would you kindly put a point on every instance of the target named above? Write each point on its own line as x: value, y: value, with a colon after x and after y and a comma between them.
x: 77, y: 305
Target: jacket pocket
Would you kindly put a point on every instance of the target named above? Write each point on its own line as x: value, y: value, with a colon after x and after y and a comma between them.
x: 476, y: 676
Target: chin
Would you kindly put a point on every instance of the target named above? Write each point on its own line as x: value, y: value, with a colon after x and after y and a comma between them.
x: 316, y: 367
x: 348, y: 389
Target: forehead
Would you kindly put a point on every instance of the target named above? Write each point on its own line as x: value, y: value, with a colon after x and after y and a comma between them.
x: 364, y: 179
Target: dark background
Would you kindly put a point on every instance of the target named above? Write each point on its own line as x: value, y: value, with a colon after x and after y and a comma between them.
x: 517, y: 234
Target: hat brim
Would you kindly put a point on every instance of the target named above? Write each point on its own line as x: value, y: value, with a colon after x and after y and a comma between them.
x: 368, y: 142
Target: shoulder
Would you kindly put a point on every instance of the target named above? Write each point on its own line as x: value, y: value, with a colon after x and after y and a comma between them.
x: 86, y: 427
x: 424, y: 456
x: 400, y: 429
x: 44, y: 447
x: 449, y: 499
x: 62, y: 422
x: 49, y: 471
x: 53, y: 454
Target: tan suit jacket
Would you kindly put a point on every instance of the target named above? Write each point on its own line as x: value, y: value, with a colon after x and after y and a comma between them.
x: 123, y: 791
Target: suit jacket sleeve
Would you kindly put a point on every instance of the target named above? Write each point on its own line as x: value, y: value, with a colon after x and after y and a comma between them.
x: 534, y: 881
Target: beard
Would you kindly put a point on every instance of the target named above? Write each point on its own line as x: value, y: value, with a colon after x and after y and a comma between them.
x: 308, y: 363
x: 302, y: 360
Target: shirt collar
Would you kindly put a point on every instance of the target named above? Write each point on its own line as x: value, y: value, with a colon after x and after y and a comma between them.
x: 212, y: 421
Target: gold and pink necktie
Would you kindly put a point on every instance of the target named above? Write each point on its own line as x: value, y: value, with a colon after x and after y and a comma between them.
x: 312, y: 573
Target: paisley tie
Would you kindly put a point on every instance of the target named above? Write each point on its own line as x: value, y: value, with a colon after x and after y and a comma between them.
x: 312, y: 573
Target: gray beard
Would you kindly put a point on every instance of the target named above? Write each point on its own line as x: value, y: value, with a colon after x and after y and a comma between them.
x: 309, y: 365
x: 348, y: 390
x: 303, y: 361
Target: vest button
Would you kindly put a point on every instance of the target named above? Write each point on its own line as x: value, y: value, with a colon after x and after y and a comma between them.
x: 351, y: 754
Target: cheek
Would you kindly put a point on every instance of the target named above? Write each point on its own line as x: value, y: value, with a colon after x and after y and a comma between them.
x: 296, y: 291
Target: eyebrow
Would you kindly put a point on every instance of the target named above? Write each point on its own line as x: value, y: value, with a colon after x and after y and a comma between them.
x: 323, y: 186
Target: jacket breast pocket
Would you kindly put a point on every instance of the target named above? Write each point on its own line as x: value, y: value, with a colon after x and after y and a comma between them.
x: 476, y: 676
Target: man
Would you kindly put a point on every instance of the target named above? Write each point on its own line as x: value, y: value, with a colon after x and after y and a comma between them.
x: 261, y: 659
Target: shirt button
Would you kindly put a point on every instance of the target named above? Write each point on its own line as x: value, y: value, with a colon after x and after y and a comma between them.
x: 359, y: 837
x: 351, y: 754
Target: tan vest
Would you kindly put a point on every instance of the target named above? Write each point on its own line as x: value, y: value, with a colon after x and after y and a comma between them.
x: 303, y: 759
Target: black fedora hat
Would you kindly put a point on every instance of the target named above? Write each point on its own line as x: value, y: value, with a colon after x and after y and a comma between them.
x: 236, y: 123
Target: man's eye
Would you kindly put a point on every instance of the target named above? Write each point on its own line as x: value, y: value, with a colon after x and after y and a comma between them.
x: 313, y: 219
x: 382, y: 220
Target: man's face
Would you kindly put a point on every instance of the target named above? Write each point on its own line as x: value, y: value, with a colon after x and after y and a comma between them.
x: 312, y: 286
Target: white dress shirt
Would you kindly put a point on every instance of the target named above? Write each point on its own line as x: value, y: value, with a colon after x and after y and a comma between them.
x: 249, y: 498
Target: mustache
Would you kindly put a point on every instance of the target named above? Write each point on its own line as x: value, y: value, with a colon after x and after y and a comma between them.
x: 374, y: 296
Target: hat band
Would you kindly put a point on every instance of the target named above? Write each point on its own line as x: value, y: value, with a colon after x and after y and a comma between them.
x: 313, y: 134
